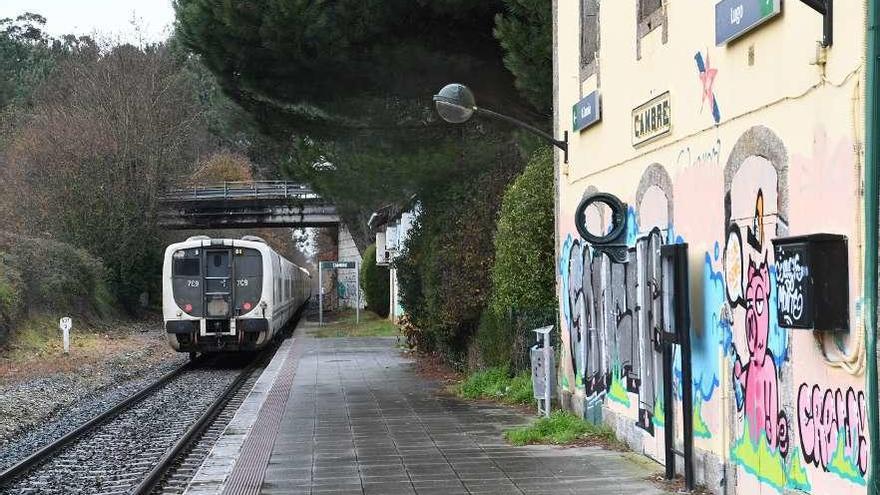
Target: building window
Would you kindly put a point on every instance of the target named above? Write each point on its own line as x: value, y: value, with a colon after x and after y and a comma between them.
x: 589, y: 37
x: 647, y: 8
x: 651, y: 15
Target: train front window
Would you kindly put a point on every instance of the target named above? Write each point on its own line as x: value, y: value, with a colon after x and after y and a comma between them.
x: 186, y: 267
x: 186, y: 281
x: 248, y: 283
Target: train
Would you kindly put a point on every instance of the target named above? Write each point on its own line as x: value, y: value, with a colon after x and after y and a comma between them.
x: 228, y: 295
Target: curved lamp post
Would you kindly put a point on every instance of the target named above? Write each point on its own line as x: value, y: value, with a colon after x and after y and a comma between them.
x: 456, y: 104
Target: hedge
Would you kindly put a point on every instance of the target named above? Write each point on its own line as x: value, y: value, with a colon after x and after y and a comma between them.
x: 443, y: 273
x: 374, y: 282
x: 523, y: 283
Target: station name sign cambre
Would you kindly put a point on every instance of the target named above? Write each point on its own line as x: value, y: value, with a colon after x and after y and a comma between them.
x: 651, y: 120
x: 734, y: 18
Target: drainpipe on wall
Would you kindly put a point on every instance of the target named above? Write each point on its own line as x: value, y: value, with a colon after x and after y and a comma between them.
x: 871, y: 240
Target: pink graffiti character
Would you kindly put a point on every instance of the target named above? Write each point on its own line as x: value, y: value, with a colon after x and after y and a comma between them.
x: 758, y: 376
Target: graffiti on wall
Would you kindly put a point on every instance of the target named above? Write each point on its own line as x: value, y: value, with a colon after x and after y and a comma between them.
x: 610, y: 310
x: 832, y: 427
x: 707, y: 79
x: 790, y: 282
x: 757, y: 377
x: 784, y: 437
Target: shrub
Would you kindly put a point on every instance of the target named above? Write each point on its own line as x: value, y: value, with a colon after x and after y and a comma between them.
x: 44, y: 274
x: 221, y: 167
x: 523, y: 295
x: 375, y: 283
x: 12, y: 304
x: 444, y: 270
x: 523, y: 271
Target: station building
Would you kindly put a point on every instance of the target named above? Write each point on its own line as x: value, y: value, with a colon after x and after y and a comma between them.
x: 735, y: 130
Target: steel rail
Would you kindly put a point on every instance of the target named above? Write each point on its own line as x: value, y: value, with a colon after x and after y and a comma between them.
x: 154, y: 477
x: 48, y: 450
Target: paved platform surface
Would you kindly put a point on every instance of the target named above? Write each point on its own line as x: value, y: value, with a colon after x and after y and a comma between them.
x: 360, y: 420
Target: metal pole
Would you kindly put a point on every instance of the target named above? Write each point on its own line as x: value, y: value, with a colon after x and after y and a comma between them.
x: 561, y: 144
x: 547, y: 371
x: 357, y: 289
x: 320, y: 295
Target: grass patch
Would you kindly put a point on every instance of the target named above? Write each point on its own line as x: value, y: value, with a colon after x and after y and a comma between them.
x: 39, y: 338
x: 371, y: 325
x: 497, y: 384
x: 563, y: 428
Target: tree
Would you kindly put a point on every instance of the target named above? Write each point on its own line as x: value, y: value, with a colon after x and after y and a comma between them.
x: 28, y: 55
x: 525, y: 31
x: 107, y: 133
x: 350, y: 82
x: 348, y: 64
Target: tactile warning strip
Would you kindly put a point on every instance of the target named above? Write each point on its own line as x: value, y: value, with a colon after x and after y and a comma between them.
x: 250, y: 469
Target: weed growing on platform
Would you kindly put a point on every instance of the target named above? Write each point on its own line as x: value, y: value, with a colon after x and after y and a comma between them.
x: 497, y: 384
x: 561, y: 428
x: 343, y: 325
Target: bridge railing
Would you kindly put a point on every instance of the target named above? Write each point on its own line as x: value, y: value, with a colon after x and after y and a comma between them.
x: 265, y: 189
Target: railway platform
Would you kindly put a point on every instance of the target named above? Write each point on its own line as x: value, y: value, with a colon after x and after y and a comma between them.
x: 352, y: 416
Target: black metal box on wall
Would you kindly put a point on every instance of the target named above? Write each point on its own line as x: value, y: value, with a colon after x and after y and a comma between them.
x: 812, y: 282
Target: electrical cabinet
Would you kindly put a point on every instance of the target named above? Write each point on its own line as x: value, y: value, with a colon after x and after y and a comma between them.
x: 812, y: 282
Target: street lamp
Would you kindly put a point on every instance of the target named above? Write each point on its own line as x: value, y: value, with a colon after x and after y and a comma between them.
x: 456, y: 104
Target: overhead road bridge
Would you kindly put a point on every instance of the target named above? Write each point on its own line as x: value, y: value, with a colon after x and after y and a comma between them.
x: 239, y: 205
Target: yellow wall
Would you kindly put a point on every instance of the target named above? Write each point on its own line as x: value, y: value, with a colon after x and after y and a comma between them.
x: 790, y: 128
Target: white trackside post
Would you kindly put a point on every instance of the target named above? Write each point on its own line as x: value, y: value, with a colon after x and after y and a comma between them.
x: 65, y: 324
x: 320, y: 295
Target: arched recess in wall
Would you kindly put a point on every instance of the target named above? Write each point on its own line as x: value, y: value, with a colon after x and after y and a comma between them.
x: 754, y: 150
x: 598, y: 219
x: 654, y: 201
x: 756, y: 200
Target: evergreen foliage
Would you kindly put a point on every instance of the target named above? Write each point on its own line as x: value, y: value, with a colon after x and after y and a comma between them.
x: 525, y: 31
x: 375, y: 283
x: 350, y: 83
x: 523, y: 296
x: 523, y: 272
x: 444, y: 270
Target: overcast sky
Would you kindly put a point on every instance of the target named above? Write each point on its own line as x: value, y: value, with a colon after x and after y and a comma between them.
x: 110, y: 18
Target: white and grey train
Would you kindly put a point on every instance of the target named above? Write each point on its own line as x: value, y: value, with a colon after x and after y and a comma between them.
x: 228, y: 294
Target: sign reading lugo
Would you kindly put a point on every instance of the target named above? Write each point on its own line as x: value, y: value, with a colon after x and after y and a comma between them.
x: 651, y: 119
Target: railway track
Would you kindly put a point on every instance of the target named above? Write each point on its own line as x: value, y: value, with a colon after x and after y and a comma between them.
x: 152, y: 442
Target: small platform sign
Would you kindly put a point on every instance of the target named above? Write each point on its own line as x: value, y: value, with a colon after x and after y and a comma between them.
x: 586, y: 112
x: 331, y: 265
x: 734, y: 18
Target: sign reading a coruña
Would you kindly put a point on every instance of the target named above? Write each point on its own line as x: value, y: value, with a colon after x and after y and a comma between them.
x: 734, y: 18
x: 586, y: 112
x: 651, y: 120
